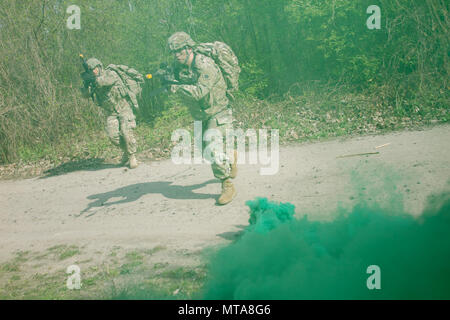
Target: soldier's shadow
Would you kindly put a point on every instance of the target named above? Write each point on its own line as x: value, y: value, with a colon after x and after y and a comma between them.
x: 133, y: 192
x: 93, y: 164
x: 234, y: 236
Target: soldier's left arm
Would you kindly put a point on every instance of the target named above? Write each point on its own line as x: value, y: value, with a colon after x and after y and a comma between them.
x: 107, y: 79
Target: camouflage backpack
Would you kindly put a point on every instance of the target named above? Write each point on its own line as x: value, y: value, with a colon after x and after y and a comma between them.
x: 225, y: 58
x: 132, y: 80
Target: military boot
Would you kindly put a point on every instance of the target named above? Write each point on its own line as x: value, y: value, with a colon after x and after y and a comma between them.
x: 228, y: 192
x: 124, y: 160
x: 133, y: 163
x: 233, y: 172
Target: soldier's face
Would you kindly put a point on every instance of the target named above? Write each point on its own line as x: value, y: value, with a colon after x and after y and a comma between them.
x: 183, y: 55
x: 96, y: 71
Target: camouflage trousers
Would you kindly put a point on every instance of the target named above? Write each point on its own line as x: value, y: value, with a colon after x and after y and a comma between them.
x: 119, y: 127
x: 221, y: 164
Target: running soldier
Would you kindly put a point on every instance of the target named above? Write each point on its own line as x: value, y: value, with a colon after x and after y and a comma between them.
x: 206, y: 85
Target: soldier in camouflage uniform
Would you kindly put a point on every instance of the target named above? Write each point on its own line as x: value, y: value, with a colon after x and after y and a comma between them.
x: 204, y: 89
x: 107, y: 90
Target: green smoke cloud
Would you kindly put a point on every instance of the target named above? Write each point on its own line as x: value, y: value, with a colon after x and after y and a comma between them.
x: 281, y: 257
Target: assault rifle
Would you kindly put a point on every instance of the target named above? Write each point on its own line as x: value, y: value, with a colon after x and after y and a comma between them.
x: 166, y: 75
x: 87, y: 76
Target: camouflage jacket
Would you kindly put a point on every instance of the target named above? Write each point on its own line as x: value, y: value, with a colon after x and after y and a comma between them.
x: 109, y: 92
x: 204, y: 88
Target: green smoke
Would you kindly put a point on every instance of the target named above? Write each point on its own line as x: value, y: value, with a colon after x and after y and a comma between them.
x: 281, y: 257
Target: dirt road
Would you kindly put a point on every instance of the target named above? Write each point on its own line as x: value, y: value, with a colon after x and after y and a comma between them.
x: 162, y: 204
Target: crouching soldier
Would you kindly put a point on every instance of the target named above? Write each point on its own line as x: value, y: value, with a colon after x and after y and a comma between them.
x: 115, y: 89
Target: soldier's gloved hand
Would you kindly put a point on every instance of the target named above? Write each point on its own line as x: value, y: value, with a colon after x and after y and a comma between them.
x: 174, y: 88
x: 88, y: 77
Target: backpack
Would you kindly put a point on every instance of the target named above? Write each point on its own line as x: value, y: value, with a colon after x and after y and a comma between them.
x: 132, y: 80
x: 225, y: 58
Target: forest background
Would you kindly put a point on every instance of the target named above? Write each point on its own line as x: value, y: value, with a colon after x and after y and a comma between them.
x: 310, y: 68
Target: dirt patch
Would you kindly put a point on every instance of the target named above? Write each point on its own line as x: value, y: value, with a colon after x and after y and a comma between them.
x: 81, y: 216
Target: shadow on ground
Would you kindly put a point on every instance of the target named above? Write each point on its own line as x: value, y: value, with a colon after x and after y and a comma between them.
x: 93, y: 164
x: 233, y: 235
x: 133, y: 192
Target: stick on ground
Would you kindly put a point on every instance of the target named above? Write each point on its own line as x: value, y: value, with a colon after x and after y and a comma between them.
x: 357, y: 154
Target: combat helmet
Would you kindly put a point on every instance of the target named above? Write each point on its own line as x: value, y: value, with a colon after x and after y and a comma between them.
x: 179, y: 40
x: 92, y: 63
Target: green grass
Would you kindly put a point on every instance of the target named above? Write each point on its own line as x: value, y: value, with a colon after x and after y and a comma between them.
x: 308, y: 113
x: 153, y: 250
x: 68, y: 253
x: 319, y: 113
x: 133, y: 260
x: 126, y: 274
x: 167, y: 283
x: 63, y: 252
x: 10, y: 267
